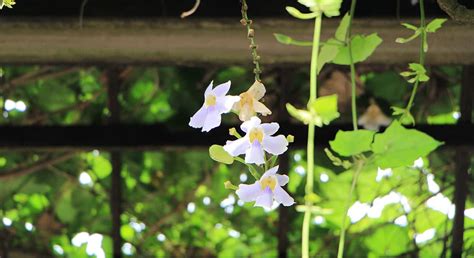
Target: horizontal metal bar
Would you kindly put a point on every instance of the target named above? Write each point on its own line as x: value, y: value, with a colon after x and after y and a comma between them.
x: 208, y: 42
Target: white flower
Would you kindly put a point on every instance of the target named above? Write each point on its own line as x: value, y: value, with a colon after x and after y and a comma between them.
x: 249, y: 104
x: 258, y: 139
x: 215, y: 104
x: 267, y: 189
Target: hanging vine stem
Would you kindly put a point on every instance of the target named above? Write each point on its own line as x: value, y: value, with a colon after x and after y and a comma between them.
x: 422, y: 54
x: 310, y: 145
x: 348, y: 41
x: 251, y: 36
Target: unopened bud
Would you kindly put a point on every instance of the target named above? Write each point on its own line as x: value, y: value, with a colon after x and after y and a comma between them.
x: 233, y: 132
x: 251, y: 33
x: 290, y: 138
x: 230, y: 186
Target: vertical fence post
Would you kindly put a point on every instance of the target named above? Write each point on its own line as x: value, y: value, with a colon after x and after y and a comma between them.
x: 113, y: 88
x: 462, y: 159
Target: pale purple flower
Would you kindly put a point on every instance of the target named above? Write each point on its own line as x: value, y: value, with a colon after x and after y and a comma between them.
x: 267, y: 189
x: 258, y: 139
x: 215, y: 104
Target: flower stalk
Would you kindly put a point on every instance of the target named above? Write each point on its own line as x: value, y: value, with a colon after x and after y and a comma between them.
x: 310, y: 144
x: 251, y: 36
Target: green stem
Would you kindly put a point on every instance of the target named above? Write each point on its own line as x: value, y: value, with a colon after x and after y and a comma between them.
x: 310, y: 145
x: 353, y: 83
x: 251, y: 36
x: 422, y: 53
x: 340, y: 250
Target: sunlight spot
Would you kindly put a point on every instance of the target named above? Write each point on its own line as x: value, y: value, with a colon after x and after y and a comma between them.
x: 229, y: 209
x: 318, y: 220
x: 138, y: 227
x: 218, y: 225
x: 418, y: 163
x: 94, y: 246
x: 401, y: 221
x: 127, y: 249
x: 383, y: 173
x: 85, y: 179
x: 80, y: 239
x: 433, y: 187
x: 234, y: 233
x: 425, y: 236
x: 456, y: 115
x: 9, y: 105
x: 161, y: 237
x: 5, y: 114
x: 96, y: 153
x: 7, y: 222
x: 58, y: 249
x: 243, y: 177
x: 300, y: 170
x: 230, y: 200
x: 20, y: 106
x: 240, y: 203
x: 297, y: 157
x: 442, y: 204
x: 357, y: 211
x: 206, y: 200
x: 469, y: 213
x: 191, y: 207
x: 29, y: 226
x: 324, y: 177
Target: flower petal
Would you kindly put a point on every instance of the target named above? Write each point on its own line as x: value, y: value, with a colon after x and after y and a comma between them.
x: 221, y: 89
x: 283, y: 179
x: 253, y: 122
x: 198, y: 119
x: 271, y: 128
x: 208, y: 89
x: 249, y: 193
x: 226, y: 103
x: 213, y: 119
x: 281, y: 196
x: 265, y: 199
x: 237, y: 147
x: 254, y: 155
x: 259, y: 107
x: 257, y: 90
x: 272, y: 171
x: 275, y: 145
x: 245, y: 113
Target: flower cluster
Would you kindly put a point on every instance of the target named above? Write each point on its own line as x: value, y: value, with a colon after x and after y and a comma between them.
x: 258, y: 140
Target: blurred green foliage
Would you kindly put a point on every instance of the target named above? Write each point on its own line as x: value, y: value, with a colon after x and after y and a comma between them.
x: 175, y: 204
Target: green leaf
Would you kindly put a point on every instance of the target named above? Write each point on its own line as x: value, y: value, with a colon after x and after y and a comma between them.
x: 328, y: 52
x: 410, y: 26
x: 64, y: 209
x: 218, y: 154
x: 284, y: 39
x: 100, y: 165
x: 337, y: 161
x: 127, y: 232
x: 325, y: 109
x: 389, y: 240
x: 399, y: 146
x: 342, y: 28
x: 349, y: 143
x: 362, y: 48
x: 299, y: 15
x: 418, y: 71
x: 434, y: 25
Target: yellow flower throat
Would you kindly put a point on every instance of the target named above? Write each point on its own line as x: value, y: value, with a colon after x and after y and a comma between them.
x: 210, y: 100
x: 269, y: 181
x: 256, y: 134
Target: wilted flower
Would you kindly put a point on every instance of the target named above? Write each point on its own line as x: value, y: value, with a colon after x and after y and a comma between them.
x: 267, y: 189
x: 249, y: 103
x: 7, y: 3
x: 258, y: 139
x: 373, y: 118
x: 215, y: 104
